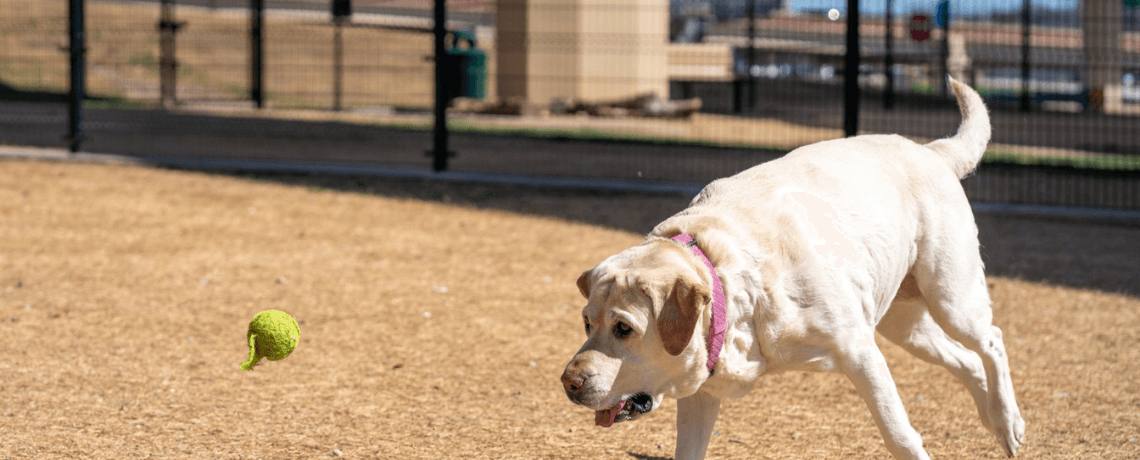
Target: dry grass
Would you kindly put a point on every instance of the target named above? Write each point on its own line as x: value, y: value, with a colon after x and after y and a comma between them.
x: 125, y: 294
x: 381, y: 66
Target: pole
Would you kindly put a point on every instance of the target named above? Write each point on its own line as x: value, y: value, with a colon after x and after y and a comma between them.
x: 851, y: 72
x: 944, y: 58
x: 889, y: 60
x: 439, y: 144
x: 1025, y: 24
x: 737, y: 94
x: 751, y: 53
x: 168, y: 65
x: 338, y: 63
x: 341, y: 13
x: 76, y: 51
x: 256, y: 52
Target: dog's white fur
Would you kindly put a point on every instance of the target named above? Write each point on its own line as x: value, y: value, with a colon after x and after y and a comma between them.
x: 816, y: 252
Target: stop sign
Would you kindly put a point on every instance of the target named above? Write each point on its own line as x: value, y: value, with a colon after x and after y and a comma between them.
x: 920, y: 27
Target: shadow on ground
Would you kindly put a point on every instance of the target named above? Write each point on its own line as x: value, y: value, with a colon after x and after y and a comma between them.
x: 647, y: 457
x: 11, y: 93
x: 1075, y: 252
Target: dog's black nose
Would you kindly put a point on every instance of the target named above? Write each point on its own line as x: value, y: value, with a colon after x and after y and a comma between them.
x: 572, y: 382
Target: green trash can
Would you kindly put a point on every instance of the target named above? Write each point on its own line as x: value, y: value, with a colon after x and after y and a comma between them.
x: 467, y: 68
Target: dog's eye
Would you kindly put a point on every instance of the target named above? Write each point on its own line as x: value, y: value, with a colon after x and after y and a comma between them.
x: 622, y: 330
x: 587, y: 321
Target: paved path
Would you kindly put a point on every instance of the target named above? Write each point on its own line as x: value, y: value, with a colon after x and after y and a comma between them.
x: 170, y: 136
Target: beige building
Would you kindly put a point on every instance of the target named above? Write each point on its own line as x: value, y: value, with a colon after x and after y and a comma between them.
x: 588, y: 49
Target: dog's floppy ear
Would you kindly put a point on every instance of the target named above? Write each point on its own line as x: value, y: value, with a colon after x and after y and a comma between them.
x: 680, y: 309
x: 584, y: 284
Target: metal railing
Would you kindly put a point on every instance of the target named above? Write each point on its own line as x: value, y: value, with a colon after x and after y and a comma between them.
x: 1062, y: 84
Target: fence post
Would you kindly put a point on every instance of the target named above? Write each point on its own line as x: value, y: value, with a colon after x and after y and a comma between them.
x: 256, y: 52
x: 439, y: 145
x: 338, y: 63
x: 167, y: 60
x: 341, y: 12
x: 77, y: 49
x: 737, y: 94
x: 1025, y: 46
x: 851, y: 72
x: 751, y: 54
x: 943, y: 11
x: 889, y: 59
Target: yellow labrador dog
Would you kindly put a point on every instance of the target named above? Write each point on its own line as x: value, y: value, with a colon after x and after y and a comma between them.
x: 793, y: 265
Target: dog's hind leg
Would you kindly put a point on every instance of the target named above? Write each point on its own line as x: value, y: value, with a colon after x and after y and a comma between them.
x: 908, y: 324
x: 957, y: 299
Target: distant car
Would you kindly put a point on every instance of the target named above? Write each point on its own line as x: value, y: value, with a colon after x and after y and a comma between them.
x: 731, y: 9
x: 688, y: 17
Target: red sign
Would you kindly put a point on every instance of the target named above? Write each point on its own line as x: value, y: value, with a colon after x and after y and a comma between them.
x: 920, y: 27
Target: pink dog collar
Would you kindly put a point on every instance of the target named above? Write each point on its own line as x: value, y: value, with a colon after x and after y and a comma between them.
x: 719, y: 306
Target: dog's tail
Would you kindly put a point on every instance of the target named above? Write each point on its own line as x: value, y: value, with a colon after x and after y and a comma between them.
x: 964, y: 150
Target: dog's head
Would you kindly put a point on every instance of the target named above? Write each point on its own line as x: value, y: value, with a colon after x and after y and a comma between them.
x: 644, y: 308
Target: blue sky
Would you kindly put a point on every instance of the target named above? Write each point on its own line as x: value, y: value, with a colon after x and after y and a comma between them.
x: 876, y: 7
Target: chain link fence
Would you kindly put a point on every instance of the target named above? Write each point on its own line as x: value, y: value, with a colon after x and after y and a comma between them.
x: 679, y: 91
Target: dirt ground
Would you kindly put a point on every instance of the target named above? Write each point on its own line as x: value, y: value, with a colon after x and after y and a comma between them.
x: 435, y: 321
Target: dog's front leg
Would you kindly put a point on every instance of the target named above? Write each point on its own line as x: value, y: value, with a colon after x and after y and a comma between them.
x: 696, y: 415
x: 867, y: 369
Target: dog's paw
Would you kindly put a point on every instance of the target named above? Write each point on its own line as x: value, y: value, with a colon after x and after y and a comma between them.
x: 1012, y: 437
x: 1008, y: 427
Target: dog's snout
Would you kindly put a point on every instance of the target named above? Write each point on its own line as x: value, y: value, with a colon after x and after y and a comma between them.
x: 573, y: 381
x: 585, y: 379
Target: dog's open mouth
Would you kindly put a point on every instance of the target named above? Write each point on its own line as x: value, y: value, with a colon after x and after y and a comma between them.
x: 628, y: 409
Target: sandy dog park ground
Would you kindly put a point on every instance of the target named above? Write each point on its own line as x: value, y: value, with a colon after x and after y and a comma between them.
x: 436, y: 319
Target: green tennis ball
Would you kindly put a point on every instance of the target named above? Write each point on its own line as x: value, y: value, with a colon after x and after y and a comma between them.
x: 272, y: 334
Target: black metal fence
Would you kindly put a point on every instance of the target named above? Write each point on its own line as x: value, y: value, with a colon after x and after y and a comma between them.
x: 558, y: 87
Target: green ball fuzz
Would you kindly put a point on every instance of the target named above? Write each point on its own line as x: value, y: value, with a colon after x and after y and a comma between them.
x: 272, y: 334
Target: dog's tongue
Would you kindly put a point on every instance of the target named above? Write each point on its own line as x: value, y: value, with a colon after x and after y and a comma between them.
x: 605, y: 417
